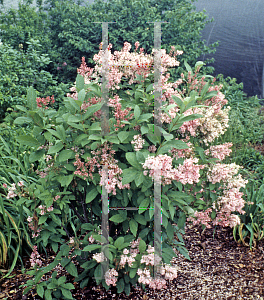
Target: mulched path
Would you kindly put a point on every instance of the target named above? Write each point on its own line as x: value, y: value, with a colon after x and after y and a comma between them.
x: 220, y: 269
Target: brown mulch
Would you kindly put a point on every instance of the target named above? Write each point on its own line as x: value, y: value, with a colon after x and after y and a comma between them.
x: 220, y: 269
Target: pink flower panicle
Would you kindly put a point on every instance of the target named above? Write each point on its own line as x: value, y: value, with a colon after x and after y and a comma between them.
x: 43, y: 102
x: 35, y: 258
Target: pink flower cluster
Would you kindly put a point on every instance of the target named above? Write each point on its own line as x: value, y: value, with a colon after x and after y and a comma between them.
x: 12, y: 190
x: 202, y: 217
x: 128, y: 64
x: 102, y: 158
x: 35, y: 233
x: 35, y: 258
x: 231, y: 199
x: 43, y: 102
x: 44, y: 209
x: 186, y: 173
x: 119, y: 114
x: 138, y: 142
x: 220, y: 151
x: 126, y: 258
x: 111, y: 277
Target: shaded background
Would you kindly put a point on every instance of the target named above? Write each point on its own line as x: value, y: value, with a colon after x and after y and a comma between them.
x: 238, y: 26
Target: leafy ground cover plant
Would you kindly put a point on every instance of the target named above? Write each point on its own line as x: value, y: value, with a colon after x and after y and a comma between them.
x: 69, y: 144
x: 252, y: 222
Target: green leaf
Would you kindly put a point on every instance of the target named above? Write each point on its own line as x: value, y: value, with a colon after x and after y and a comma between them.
x: 123, y: 135
x: 132, y: 273
x: 56, y: 148
x: 120, y: 217
x: 210, y: 95
x: 31, y: 98
x: 136, y: 112
x: 36, y: 118
x: 154, y: 138
x: 48, y: 295
x: 74, y: 119
x: 66, y: 293
x: 22, y: 120
x: 37, y: 155
x: 129, y: 175
x: 149, y: 88
x: 61, y: 132
x: 142, y: 246
x: 132, y: 159
x: 187, y: 66
x: 119, y: 242
x: 91, y: 195
x: 133, y: 225
x: 65, y: 180
x: 65, y: 155
x: 40, y: 291
x: 127, y: 289
x: 144, y: 129
x: 112, y: 139
x: 139, y: 179
x: 120, y: 285
x: 92, y: 109
x: 62, y: 280
x: 191, y: 117
x: 27, y: 140
x: 178, y: 102
x: 170, y: 231
x: 81, y: 95
x: 71, y: 269
x: 90, y: 248
x: 140, y: 219
x: 169, y: 145
x: 42, y: 219
x: 79, y: 82
x: 97, y: 272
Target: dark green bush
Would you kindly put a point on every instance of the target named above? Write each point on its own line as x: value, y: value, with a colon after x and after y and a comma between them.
x: 19, y: 70
x: 66, y: 30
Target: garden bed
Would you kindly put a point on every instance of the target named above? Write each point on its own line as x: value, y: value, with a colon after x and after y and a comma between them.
x: 220, y: 269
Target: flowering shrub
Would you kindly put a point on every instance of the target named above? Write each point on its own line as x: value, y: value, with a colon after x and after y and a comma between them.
x: 72, y: 152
